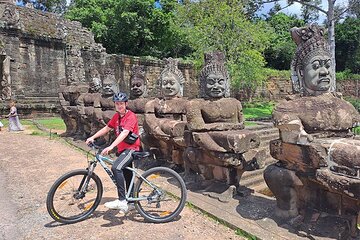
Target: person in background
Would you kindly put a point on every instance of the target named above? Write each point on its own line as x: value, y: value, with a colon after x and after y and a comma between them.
x: 14, y: 122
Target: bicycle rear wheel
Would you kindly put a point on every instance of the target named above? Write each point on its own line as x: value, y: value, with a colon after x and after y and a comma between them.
x: 164, y: 197
x: 74, y: 196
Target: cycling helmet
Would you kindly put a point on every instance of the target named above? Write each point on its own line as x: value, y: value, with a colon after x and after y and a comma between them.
x: 120, y: 97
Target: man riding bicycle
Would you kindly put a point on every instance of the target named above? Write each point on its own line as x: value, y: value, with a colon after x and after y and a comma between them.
x: 125, y: 124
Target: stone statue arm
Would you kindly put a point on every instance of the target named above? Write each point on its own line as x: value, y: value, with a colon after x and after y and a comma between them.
x: 150, y: 106
x: 290, y: 127
x: 97, y: 102
x: 240, y: 114
x: 63, y: 101
x: 151, y: 122
x: 97, y: 116
x: 152, y: 125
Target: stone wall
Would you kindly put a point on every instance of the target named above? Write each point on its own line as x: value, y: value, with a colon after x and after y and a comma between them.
x: 277, y: 88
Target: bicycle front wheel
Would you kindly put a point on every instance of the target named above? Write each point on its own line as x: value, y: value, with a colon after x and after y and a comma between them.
x: 74, y: 196
x: 163, y: 194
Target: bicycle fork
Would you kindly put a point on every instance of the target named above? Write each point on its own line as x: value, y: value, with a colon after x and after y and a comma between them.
x: 85, y: 182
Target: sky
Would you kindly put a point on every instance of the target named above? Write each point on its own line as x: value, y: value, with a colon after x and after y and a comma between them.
x: 296, y: 7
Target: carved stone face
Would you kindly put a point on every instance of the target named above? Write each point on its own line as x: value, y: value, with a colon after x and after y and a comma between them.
x: 170, y: 85
x: 215, y: 85
x: 108, y: 89
x: 96, y: 85
x: 137, y: 87
x: 317, y: 74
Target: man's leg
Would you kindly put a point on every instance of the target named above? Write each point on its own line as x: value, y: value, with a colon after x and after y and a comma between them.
x: 117, y: 168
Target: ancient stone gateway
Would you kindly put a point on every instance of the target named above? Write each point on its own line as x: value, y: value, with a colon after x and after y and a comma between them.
x: 318, y: 167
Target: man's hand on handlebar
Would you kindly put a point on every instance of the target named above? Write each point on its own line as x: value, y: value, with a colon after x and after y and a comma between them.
x: 89, y: 141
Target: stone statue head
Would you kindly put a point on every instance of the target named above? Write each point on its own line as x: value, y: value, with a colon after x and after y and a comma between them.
x: 311, y: 67
x: 171, y: 79
x: 137, y: 82
x: 109, y: 83
x: 214, y: 78
x: 95, y: 84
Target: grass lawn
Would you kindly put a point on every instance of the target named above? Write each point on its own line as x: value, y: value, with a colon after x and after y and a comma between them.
x: 54, y: 123
x: 258, y: 110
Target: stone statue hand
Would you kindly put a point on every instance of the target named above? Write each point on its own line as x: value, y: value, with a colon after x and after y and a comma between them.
x: 304, y: 138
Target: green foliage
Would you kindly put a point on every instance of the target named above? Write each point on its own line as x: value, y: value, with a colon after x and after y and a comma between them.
x: 213, y: 25
x: 256, y: 110
x: 348, y: 45
x: 310, y: 14
x: 347, y: 75
x: 285, y: 74
x: 356, y: 130
x: 132, y: 27
x: 354, y: 101
x: 281, y: 49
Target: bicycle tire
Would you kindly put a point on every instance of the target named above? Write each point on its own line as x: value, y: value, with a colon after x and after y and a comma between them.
x: 59, y: 198
x: 174, y: 195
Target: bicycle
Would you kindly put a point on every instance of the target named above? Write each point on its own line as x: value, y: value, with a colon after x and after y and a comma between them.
x: 159, y: 194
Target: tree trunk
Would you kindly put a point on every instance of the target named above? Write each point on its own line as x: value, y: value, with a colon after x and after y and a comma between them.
x: 331, y: 32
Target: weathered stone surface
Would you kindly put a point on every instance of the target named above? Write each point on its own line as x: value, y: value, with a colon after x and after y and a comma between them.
x: 165, y: 118
x: 317, y: 114
x: 305, y: 158
x: 318, y: 166
x: 214, y: 134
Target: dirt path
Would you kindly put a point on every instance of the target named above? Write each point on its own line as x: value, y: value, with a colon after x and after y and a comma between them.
x: 28, y: 167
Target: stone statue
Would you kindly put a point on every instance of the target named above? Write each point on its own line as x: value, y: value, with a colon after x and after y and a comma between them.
x: 138, y: 92
x: 165, y: 117
x: 318, y: 155
x: 68, y: 96
x: 104, y: 105
x: 216, y: 140
x: 5, y: 82
x: 85, y: 106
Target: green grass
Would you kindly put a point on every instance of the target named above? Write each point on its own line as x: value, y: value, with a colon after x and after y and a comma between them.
x: 258, y: 110
x: 48, y: 123
x: 356, y: 130
x: 52, y: 123
x: 250, y: 124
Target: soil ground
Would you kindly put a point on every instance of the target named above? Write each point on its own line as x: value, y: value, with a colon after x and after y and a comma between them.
x: 28, y: 167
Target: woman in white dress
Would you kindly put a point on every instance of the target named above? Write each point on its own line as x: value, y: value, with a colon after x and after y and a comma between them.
x: 14, y: 123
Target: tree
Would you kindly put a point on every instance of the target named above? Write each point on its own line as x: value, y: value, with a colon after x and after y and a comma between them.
x: 281, y: 49
x: 56, y: 6
x: 348, y: 45
x: 309, y: 14
x: 212, y: 25
x: 131, y: 27
x: 331, y: 18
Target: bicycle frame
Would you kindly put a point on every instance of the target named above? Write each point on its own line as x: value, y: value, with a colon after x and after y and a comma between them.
x: 103, y: 160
